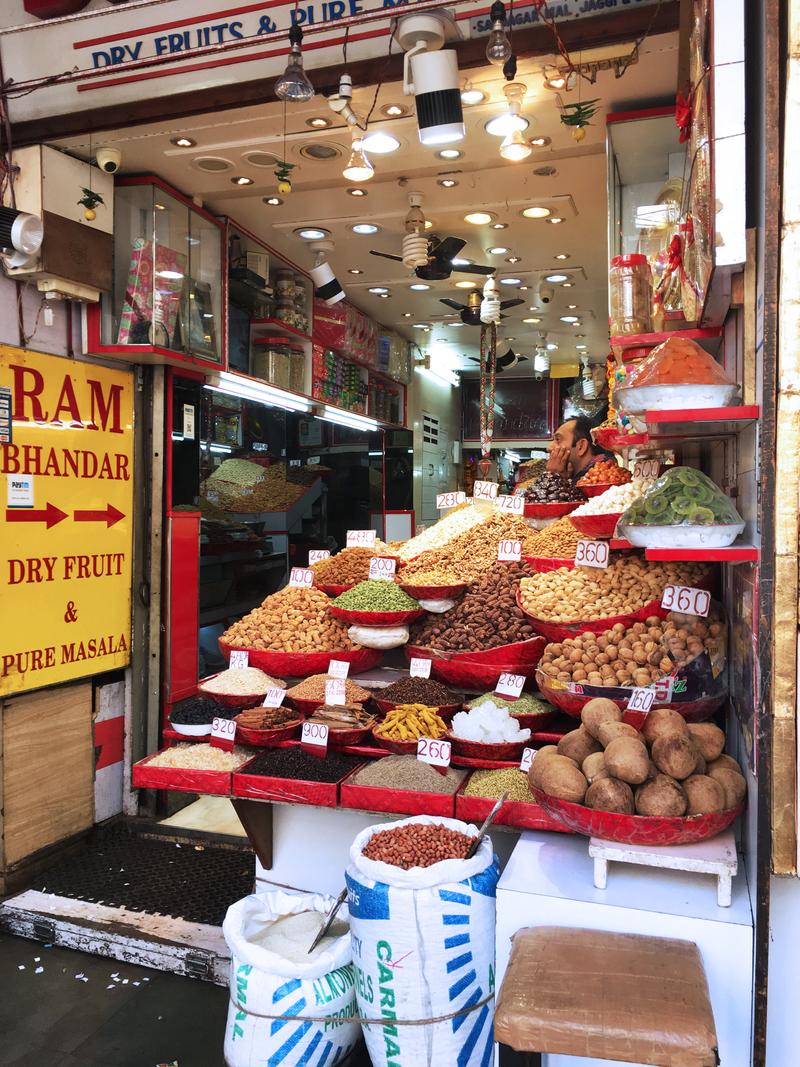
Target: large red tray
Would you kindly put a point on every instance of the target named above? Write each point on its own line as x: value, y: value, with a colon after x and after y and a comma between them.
x: 286, y: 790
x: 433, y: 592
x: 301, y: 664
x: 445, y: 711
x: 560, y: 631
x: 596, y: 526
x: 476, y: 676
x: 333, y: 590
x: 550, y: 511
x: 637, y: 829
x: 598, y: 488
x: 402, y: 748
x: 267, y: 738
x: 234, y: 700
x: 395, y: 801
x: 376, y: 618
x: 543, y: 564
x: 496, y: 752
x: 182, y: 780
x: 524, y: 816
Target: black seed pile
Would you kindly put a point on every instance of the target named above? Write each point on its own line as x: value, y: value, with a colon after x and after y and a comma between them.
x: 297, y: 764
x: 200, y: 711
x: 417, y: 691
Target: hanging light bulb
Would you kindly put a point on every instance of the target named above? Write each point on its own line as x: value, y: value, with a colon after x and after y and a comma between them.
x: 490, y: 305
x: 293, y: 85
x: 415, y: 242
x: 541, y: 360
x: 588, y: 384
x: 498, y: 47
x: 515, y: 148
x: 509, y: 121
x: 359, y: 168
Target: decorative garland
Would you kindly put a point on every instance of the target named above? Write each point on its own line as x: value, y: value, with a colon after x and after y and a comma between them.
x: 487, y: 386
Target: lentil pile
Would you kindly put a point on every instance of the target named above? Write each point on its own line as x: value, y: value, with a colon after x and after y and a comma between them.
x: 199, y: 711
x: 313, y: 688
x: 347, y: 567
x: 417, y: 845
x: 297, y: 764
x: 241, y: 681
x: 376, y: 595
x: 417, y: 691
x: 407, y: 772
x: 294, y: 619
x: 494, y: 783
x: 487, y: 617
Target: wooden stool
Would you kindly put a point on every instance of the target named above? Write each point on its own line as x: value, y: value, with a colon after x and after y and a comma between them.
x: 607, y: 996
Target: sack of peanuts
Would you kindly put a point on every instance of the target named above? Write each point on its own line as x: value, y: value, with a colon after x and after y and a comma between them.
x: 422, y: 925
x: 272, y: 974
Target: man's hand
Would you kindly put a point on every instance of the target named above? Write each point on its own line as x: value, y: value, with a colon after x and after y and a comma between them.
x: 557, y: 463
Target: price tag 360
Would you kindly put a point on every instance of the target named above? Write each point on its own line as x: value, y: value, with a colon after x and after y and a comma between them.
x: 239, y: 659
x: 335, y: 691
x: 223, y: 733
x: 316, y: 555
x: 273, y: 698
x: 420, y: 668
x: 512, y: 505
x: 338, y: 668
x: 686, y: 600
x: 314, y: 737
x: 382, y: 569
x: 510, y: 686
x: 302, y: 577
x: 437, y: 753
x: 485, y: 491
x: 591, y: 554
x: 509, y: 551
x: 641, y: 700
x: 360, y: 538
x: 528, y: 756
x: 449, y: 500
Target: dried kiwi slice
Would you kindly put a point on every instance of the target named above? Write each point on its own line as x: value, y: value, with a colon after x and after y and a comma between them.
x: 686, y: 476
x: 656, y: 506
x: 683, y: 505
x: 700, y: 516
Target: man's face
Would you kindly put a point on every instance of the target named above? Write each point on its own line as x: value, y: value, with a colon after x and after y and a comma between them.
x: 564, y: 439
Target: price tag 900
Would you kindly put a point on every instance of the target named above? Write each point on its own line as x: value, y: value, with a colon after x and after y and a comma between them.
x: 301, y: 576
x: 513, y: 505
x: 646, y: 468
x: 591, y: 554
x: 528, y: 755
x: 485, y: 491
x: 420, y: 668
x: 510, y: 685
x: 335, y: 691
x: 437, y: 753
x: 360, y: 538
x: 382, y: 569
x: 686, y: 600
x: 641, y: 700
x: 509, y: 551
x: 239, y: 659
x: 449, y: 500
x: 273, y: 698
x: 317, y: 554
x: 316, y: 734
x: 223, y: 733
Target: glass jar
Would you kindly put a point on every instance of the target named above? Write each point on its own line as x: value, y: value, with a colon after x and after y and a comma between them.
x: 297, y: 368
x: 631, y: 295
x: 271, y: 361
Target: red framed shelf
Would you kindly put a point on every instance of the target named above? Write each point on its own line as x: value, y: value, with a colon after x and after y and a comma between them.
x: 262, y: 325
x: 701, y: 422
x: 734, y: 554
x: 619, y: 543
x: 708, y: 337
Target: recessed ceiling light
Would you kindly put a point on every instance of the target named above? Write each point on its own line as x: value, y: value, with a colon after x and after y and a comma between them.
x: 499, y: 225
x: 535, y: 212
x: 384, y: 296
x: 393, y: 111
x: 581, y: 348
x: 545, y: 172
x: 406, y: 314
x: 514, y: 259
x: 569, y: 318
x: 572, y: 306
x: 318, y: 123
x: 419, y: 287
x: 365, y: 227
x: 182, y: 142
x: 567, y: 285
x: 160, y: 207
x: 523, y: 288
x: 563, y: 255
x: 466, y: 285
x: 378, y: 289
x: 241, y: 180
x: 354, y: 270
x: 421, y: 326
x: 552, y: 347
x: 321, y: 152
x: 470, y: 97
x: 479, y: 218
x: 447, y: 183
x: 380, y: 143
x: 540, y: 142
x: 356, y: 192
x: 497, y: 250
x: 510, y: 281
x: 554, y: 279
x: 510, y: 338
x: 507, y: 123
x: 272, y: 201
x: 311, y: 233
x: 554, y: 221
x: 211, y: 164
x: 532, y: 321
x: 449, y: 153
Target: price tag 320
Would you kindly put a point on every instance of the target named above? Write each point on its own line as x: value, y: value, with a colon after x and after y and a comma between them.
x: 641, y: 700
x: 316, y: 555
x: 420, y: 668
x: 510, y: 685
x: 382, y: 568
x: 485, y: 491
x: 239, y: 659
x: 360, y: 538
x: 509, y: 551
x: 437, y: 753
x: 528, y: 756
x: 686, y: 600
x: 450, y: 500
x: 314, y: 736
x: 301, y: 576
x: 273, y: 698
x: 512, y: 505
x: 335, y: 691
x: 591, y: 554
x: 223, y: 733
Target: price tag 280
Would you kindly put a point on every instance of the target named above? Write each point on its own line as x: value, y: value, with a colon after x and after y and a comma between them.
x: 510, y: 685
x: 360, y: 538
x: 450, y: 500
x: 420, y: 668
x: 437, y: 753
x: 485, y: 491
x: 239, y: 659
x: 509, y: 551
x: 273, y: 698
x: 314, y: 737
x: 338, y: 668
x: 223, y: 733
x: 316, y: 555
x: 301, y: 576
x: 591, y: 554
x: 686, y: 600
x: 641, y: 700
x: 335, y: 691
x: 513, y: 505
x: 382, y: 568
x: 528, y: 756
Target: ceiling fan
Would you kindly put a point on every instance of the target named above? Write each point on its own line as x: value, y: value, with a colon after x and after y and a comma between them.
x: 471, y: 311
x: 505, y: 362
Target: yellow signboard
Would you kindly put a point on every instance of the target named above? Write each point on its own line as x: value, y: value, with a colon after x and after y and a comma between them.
x: 66, y: 502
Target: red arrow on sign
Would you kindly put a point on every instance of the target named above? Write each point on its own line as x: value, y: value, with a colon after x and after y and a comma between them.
x: 109, y: 516
x: 49, y: 514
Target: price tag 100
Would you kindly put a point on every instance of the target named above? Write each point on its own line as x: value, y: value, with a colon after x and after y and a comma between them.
x: 302, y: 577
x: 420, y: 668
x: 274, y: 697
x: 360, y: 538
x: 314, y: 736
x: 382, y: 569
x: 485, y: 491
x: 317, y: 554
x: 646, y: 468
x: 239, y: 659
x: 335, y: 691
x: 528, y: 756
x: 338, y: 668
x: 641, y: 700
x: 591, y: 554
x: 510, y: 685
x: 514, y: 505
x: 449, y: 500
x: 223, y: 733
x: 686, y: 600
x: 437, y: 753
x: 509, y: 551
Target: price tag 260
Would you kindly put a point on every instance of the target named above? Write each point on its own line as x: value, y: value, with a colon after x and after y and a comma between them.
x: 335, y: 691
x: 420, y: 668
x: 317, y: 554
x: 382, y: 568
x: 641, y: 700
x: 485, y: 491
x: 301, y: 576
x: 223, y: 733
x: 437, y: 753
x: 591, y: 554
x: 239, y: 659
x: 513, y: 505
x: 273, y: 698
x: 528, y: 755
x: 314, y: 737
x: 449, y: 500
x: 360, y: 538
x: 687, y: 601
x: 510, y: 685
x: 509, y: 551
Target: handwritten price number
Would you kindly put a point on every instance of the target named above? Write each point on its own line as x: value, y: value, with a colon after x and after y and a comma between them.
x: 528, y: 755
x: 420, y: 668
x: 509, y: 551
x: 335, y: 691
x: 687, y: 601
x: 274, y: 697
x: 314, y: 733
x: 514, y: 504
x: 382, y: 569
x: 223, y: 733
x: 355, y: 538
x: 239, y: 659
x: 338, y: 668
x: 437, y: 753
x: 317, y: 554
x: 449, y: 500
x: 641, y: 700
x: 591, y: 554
x: 510, y: 685
x: 646, y: 468
x: 301, y: 576
x: 485, y: 491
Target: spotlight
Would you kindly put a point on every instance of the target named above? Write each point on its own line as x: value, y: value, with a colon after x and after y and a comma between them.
x: 326, y: 284
x: 510, y: 120
x: 515, y: 148
x: 470, y: 96
x: 293, y: 85
x: 20, y: 235
x: 359, y: 168
x: 430, y: 75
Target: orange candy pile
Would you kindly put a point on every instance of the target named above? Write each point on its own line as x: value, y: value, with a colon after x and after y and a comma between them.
x: 605, y: 472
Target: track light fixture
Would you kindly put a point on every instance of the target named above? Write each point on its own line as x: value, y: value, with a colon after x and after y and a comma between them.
x: 430, y: 75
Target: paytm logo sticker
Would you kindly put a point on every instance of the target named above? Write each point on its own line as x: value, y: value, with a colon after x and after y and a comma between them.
x: 20, y: 490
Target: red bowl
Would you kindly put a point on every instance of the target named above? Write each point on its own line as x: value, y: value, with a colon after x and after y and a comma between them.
x: 598, y: 488
x: 445, y: 711
x: 403, y: 748
x: 535, y: 721
x: 543, y: 564
x: 636, y: 829
x: 496, y: 751
x: 375, y: 618
x: 550, y: 511
x: 352, y: 736
x: 265, y: 738
x: 482, y: 670
x: 333, y: 590
x: 235, y: 700
x: 301, y: 664
x: 560, y: 631
x: 434, y: 592
x: 602, y: 526
x: 611, y: 439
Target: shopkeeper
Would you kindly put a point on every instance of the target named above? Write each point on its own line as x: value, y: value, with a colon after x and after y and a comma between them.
x: 572, y: 450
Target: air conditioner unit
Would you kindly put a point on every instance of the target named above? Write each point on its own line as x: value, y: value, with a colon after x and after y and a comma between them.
x: 76, y: 258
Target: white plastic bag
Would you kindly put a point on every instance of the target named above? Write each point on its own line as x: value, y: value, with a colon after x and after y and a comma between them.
x: 267, y: 984
x: 438, y: 607
x: 423, y: 947
x: 379, y: 636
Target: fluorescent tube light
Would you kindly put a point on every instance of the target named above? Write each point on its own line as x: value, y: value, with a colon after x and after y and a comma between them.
x: 348, y: 418
x: 249, y: 389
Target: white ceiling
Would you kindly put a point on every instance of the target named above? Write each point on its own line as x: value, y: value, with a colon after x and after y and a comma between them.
x: 577, y: 192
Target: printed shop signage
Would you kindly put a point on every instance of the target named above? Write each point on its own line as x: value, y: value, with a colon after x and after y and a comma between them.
x: 66, y: 502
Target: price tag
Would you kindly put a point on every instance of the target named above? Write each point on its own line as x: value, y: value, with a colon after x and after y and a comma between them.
x: 510, y: 685
x: 382, y: 569
x: 663, y: 690
x: 239, y: 659
x: 512, y: 505
x: 338, y: 668
x: 646, y: 468
x: 449, y: 500
x: 528, y: 755
x: 591, y: 554
x: 335, y: 691
x: 420, y: 668
x: 485, y: 491
x: 360, y: 538
x: 294, y: 462
x: 312, y: 461
x: 687, y: 601
x: 314, y: 736
x: 301, y: 576
x: 274, y: 697
x: 641, y: 700
x: 223, y: 733
x: 437, y: 753
x: 317, y: 554
x: 509, y: 551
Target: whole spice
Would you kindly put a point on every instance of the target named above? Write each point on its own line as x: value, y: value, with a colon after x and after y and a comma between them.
x: 376, y: 595
x: 407, y: 772
x: 299, y: 765
x: 266, y: 718
x: 295, y: 619
x: 199, y: 711
x: 493, y: 784
x: 343, y: 717
x: 345, y: 568
x: 408, y: 722
x: 313, y: 688
x: 244, y: 681
x: 417, y: 691
x: 417, y: 845
x: 551, y: 488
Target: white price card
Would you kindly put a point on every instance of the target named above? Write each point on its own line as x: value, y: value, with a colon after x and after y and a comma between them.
x: 510, y: 685
x: 485, y: 491
x: 223, y: 733
x: 315, y: 734
x: 687, y: 601
x: 591, y: 554
x: 382, y: 568
x: 274, y: 697
x: 335, y: 691
x: 420, y: 668
x: 294, y: 462
x: 528, y: 755
x: 317, y: 554
x: 646, y: 468
x: 338, y: 668
x: 312, y: 461
x: 188, y: 422
x: 449, y: 500
x: 641, y: 700
x: 513, y: 505
x: 360, y: 538
x: 437, y: 753
x: 301, y: 576
x: 509, y: 551
x: 239, y: 658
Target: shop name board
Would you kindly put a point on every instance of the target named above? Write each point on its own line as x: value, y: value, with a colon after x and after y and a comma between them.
x: 66, y: 507
x: 522, y: 17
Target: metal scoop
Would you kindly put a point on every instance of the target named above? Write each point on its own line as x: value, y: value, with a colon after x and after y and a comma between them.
x: 331, y: 916
x: 487, y: 822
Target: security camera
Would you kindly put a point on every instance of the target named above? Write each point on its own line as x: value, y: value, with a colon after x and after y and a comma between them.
x: 545, y: 293
x: 109, y: 159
